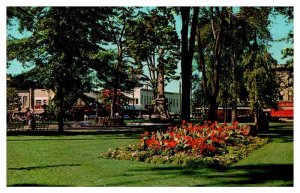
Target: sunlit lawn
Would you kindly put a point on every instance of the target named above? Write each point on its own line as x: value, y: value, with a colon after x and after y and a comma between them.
x: 73, y: 160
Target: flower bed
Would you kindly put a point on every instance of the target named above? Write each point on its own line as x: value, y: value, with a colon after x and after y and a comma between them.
x: 191, y: 145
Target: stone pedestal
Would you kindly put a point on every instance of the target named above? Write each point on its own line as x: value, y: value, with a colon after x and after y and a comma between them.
x: 160, y: 109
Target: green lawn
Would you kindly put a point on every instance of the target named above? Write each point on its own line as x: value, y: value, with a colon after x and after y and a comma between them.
x: 73, y: 160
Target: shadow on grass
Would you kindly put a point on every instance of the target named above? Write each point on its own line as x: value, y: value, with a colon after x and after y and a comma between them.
x: 279, y: 135
x: 37, y: 185
x: 128, y: 182
x: 248, y: 175
x: 284, y: 125
x: 43, y: 167
x: 261, y: 174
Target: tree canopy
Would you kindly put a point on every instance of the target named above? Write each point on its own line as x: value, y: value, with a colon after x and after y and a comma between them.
x: 72, y: 47
x: 62, y: 49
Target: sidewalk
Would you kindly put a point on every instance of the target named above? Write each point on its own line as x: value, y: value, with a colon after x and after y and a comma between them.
x: 53, y: 129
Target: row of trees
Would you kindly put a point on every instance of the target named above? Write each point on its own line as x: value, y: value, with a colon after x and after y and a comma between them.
x: 76, y: 49
x: 233, y: 59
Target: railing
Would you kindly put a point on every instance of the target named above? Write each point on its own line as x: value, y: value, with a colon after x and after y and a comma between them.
x: 107, y: 121
x: 15, y: 126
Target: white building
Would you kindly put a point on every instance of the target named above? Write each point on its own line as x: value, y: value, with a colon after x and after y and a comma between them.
x: 143, y: 100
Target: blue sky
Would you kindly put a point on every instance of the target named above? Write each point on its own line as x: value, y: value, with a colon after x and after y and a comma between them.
x: 279, y: 29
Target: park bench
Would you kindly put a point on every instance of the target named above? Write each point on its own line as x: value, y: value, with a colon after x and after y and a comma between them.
x: 41, y: 126
x: 107, y: 121
x: 15, y: 126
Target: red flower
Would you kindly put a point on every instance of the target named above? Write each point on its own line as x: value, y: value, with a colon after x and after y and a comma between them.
x: 188, y: 138
x: 171, y: 134
x: 183, y: 122
x: 172, y: 144
x: 169, y: 144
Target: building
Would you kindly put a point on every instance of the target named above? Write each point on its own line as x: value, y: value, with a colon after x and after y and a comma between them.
x: 286, y: 102
x: 141, y: 101
x: 35, y: 99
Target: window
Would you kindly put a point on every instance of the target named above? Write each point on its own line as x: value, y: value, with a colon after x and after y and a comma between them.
x: 38, y: 102
x: 136, y: 101
x: 24, y: 101
x: 44, y: 102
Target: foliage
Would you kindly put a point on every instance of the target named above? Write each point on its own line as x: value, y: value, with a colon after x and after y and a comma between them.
x: 225, y: 40
x: 191, y: 145
x: 151, y: 32
x: 210, y: 47
x: 119, y: 74
x: 52, y: 110
x: 62, y: 49
x: 12, y: 99
x: 288, y: 52
x: 26, y: 80
x: 260, y: 80
x: 198, y: 98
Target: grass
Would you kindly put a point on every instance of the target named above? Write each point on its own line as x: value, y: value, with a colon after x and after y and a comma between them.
x: 73, y: 160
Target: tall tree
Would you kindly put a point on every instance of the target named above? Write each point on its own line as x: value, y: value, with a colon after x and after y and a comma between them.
x: 224, y: 39
x: 259, y: 75
x: 261, y: 82
x: 211, y: 27
x: 61, y: 48
x: 237, y: 40
x: 118, y: 26
x: 189, y: 21
x: 154, y: 44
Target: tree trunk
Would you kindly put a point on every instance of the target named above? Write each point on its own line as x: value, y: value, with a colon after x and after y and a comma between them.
x: 234, y: 111
x: 187, y: 53
x: 61, y: 113
x: 113, y: 103
x: 225, y: 111
x: 213, y: 109
x: 61, y: 120
x: 211, y: 92
x: 234, y: 90
x: 113, y: 109
x: 255, y: 117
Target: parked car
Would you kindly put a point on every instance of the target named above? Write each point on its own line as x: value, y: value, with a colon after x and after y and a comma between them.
x: 92, y: 116
x: 126, y: 117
